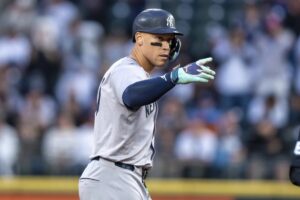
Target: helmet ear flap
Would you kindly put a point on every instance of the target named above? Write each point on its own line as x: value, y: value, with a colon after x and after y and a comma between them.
x: 174, y: 49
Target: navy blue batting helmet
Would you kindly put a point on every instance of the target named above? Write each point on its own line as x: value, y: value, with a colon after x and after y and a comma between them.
x: 156, y: 21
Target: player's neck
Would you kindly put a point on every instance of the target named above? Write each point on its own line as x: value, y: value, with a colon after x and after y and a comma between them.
x: 141, y: 60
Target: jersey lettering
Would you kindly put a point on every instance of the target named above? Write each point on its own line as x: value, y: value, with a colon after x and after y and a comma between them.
x: 149, y: 109
x: 297, y: 149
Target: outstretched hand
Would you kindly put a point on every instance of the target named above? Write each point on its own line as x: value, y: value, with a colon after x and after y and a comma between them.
x: 193, y: 72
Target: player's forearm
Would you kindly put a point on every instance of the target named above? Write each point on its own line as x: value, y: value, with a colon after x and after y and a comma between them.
x: 147, y: 91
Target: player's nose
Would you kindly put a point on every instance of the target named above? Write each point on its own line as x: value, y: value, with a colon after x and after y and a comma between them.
x: 165, y: 45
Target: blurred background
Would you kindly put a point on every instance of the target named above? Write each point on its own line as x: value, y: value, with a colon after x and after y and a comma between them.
x: 53, y: 54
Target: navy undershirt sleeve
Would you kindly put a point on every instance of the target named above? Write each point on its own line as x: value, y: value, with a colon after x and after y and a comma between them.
x: 147, y: 91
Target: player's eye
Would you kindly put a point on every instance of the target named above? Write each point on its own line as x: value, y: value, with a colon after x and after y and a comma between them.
x: 160, y: 39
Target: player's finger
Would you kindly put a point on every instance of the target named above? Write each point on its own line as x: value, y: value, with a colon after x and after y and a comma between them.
x: 206, y: 76
x: 203, y: 61
x: 203, y: 80
x: 207, y: 70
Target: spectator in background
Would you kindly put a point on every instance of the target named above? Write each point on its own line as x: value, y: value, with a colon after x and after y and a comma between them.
x: 297, y: 71
x: 81, y: 63
x: 293, y: 16
x: 82, y: 46
x: 59, y: 146
x: 195, y: 147
x: 171, y: 121
x: 80, y: 85
x: 206, y: 109
x: 62, y: 13
x: 273, y: 74
x: 295, y: 97
x: 230, y: 158
x: 10, y: 98
x: 172, y: 115
x: 30, y: 160
x: 183, y: 93
x: 46, y: 61
x: 20, y: 14
x: 266, y: 152
x: 271, y: 107
x: 251, y: 20
x: 235, y: 74
x: 84, y: 141
x: 36, y: 114
x: 38, y: 109
x: 96, y: 10
x: 165, y: 159
x: 9, y: 147
x: 15, y: 48
x: 82, y: 59
x: 116, y: 45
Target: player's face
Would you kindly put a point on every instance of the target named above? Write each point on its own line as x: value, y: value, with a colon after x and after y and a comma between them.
x: 156, y: 48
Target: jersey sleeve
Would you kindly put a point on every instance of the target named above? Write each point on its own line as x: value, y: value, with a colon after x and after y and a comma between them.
x: 124, y: 76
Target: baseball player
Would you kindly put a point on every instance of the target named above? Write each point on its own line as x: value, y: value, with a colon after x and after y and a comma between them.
x: 127, y: 109
x: 295, y: 164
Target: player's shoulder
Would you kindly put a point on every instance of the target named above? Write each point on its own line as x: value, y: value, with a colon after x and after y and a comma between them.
x: 124, y: 68
x: 125, y: 65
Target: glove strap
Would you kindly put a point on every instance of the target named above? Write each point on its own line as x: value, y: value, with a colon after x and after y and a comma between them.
x: 174, y: 76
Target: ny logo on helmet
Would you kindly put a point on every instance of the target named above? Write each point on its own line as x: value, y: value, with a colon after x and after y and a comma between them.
x: 171, y: 21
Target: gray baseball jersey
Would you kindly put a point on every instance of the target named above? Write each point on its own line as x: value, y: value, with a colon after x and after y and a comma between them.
x: 121, y: 134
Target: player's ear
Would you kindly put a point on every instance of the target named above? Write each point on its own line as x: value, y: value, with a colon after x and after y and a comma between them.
x: 139, y: 38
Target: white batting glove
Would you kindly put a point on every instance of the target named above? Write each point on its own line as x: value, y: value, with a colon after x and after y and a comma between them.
x: 193, y: 72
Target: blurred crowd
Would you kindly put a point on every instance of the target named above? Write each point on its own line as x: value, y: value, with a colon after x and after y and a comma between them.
x: 53, y: 53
